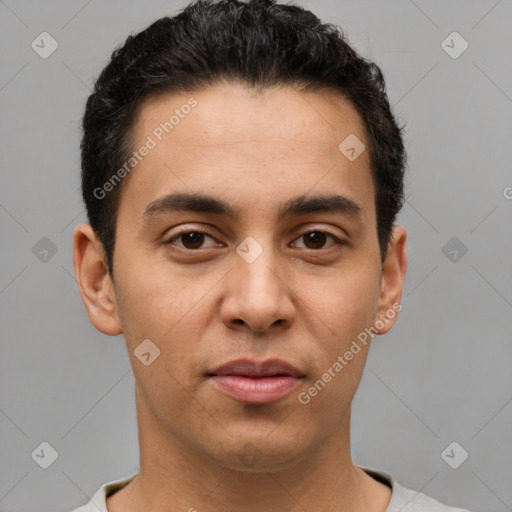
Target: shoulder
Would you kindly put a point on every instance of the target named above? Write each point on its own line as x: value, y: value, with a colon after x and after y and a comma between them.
x: 98, y: 503
x: 407, y: 500
x: 90, y: 507
x: 404, y: 499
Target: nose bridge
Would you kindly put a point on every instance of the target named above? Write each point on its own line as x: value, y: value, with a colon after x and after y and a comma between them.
x: 257, y: 269
x: 258, y: 296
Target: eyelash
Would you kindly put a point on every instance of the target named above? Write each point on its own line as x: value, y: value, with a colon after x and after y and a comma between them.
x: 337, y: 240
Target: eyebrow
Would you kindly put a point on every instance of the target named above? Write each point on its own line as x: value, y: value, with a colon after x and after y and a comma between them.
x: 201, y: 203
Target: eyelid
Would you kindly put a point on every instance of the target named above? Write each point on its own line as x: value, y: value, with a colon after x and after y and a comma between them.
x: 337, y: 240
x: 307, y: 228
x: 189, y: 230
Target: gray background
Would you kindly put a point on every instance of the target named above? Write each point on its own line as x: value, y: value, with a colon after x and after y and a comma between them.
x: 441, y: 375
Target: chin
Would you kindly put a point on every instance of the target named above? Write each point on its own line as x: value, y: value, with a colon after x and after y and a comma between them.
x: 261, y: 455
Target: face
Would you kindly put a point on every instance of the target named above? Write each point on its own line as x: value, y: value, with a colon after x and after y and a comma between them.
x: 257, y: 271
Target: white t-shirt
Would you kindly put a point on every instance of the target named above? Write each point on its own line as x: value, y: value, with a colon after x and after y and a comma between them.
x: 402, y: 498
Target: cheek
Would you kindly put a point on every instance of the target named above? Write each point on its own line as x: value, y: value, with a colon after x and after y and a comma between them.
x: 344, y: 312
x: 348, y: 302
x: 339, y: 357
x: 151, y: 298
x: 172, y: 311
x: 158, y: 309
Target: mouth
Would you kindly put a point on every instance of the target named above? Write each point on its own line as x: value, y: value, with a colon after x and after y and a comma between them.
x: 251, y: 382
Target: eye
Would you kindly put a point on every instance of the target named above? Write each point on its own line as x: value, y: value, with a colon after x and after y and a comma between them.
x: 190, y: 239
x: 194, y: 239
x: 316, y: 239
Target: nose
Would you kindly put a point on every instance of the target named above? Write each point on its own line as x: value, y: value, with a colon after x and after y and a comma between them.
x: 258, y: 296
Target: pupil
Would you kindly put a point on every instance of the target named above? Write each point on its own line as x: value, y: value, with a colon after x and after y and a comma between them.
x: 315, y: 237
x: 195, y: 238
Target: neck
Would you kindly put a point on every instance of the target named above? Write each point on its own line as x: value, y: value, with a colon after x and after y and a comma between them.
x: 174, y: 476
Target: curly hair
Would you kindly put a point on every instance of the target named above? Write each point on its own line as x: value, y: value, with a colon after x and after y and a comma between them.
x: 259, y: 43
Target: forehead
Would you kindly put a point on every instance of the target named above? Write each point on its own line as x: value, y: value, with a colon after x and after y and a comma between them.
x: 244, y: 145
x: 236, y: 111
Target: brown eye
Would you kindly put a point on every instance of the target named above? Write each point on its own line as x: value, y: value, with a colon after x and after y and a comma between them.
x: 193, y: 240
x: 190, y: 239
x: 317, y: 239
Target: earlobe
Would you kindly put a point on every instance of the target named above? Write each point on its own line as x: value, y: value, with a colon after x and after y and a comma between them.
x: 94, y: 282
x: 393, y: 276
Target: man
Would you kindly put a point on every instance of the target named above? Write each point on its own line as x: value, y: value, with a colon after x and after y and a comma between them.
x: 242, y: 173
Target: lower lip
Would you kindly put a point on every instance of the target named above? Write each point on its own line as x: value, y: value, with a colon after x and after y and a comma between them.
x: 256, y: 390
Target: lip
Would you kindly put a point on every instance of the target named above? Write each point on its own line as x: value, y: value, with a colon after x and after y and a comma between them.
x: 254, y: 382
x: 250, y: 368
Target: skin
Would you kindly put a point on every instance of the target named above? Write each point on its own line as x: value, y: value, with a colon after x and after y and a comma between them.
x: 206, y: 306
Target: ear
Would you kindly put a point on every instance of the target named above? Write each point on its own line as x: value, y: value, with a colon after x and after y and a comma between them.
x: 392, y: 281
x: 94, y: 282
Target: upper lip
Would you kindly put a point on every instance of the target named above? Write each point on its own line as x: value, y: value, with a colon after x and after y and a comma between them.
x: 250, y: 368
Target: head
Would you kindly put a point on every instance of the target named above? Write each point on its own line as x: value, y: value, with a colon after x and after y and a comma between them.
x: 280, y: 45
x: 275, y: 145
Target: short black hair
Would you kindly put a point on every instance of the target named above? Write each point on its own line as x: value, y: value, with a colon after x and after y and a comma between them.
x: 259, y: 43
